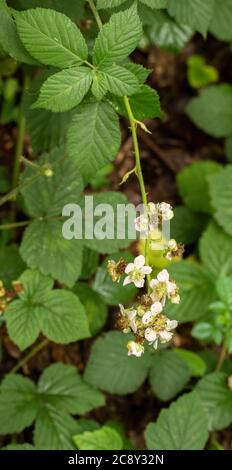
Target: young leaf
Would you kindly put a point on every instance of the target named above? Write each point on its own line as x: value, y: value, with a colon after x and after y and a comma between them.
x: 216, y: 251
x: 118, y: 38
x: 220, y: 25
x: 18, y: 404
x: 212, y: 110
x: 193, y: 185
x: 9, y: 39
x: 183, y: 426
x: 119, y: 80
x: 104, y: 438
x: 57, y: 313
x: 64, y: 90
x: 194, y: 362
x: 217, y: 400
x: 197, y: 291
x: 109, y: 367
x: 145, y: 104
x: 93, y: 138
x: 44, y: 247
x: 61, y: 386
x: 194, y: 13
x: 168, y: 375
x: 221, y: 194
x: 113, y: 293
x: 95, y: 306
x: 51, y: 37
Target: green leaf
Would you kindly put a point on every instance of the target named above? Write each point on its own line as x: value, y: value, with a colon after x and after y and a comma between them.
x: 57, y: 313
x: 113, y: 293
x: 111, y: 369
x: 199, y: 73
x: 11, y: 264
x: 193, y: 185
x: 145, y: 104
x: 224, y: 290
x: 118, y: 80
x: 217, y: 400
x: 212, y: 110
x: 46, y: 129
x: 197, y: 291
x: 194, y: 13
x: 168, y: 375
x: 164, y: 32
x: 228, y: 149
x: 18, y: 404
x: 51, y: 37
x: 101, y: 4
x: 110, y: 232
x: 54, y: 429
x: 216, y: 251
x: 64, y: 90
x: 183, y: 426
x: 220, y: 25
x: 18, y: 447
x: 9, y: 39
x: 44, y: 247
x: 61, y: 386
x: 221, y: 196
x: 93, y: 149
x: 118, y: 38
x: 63, y: 187
x: 72, y: 9
x: 155, y: 3
x: 206, y: 332
x: 90, y: 263
x: 95, y: 307
x: 186, y: 226
x: 105, y: 438
x: 138, y: 70
x: 194, y: 362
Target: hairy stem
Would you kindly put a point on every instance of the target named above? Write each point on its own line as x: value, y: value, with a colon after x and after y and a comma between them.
x: 221, y: 357
x: 29, y: 356
x: 95, y: 13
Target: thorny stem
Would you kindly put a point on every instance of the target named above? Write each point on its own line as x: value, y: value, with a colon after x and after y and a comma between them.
x: 133, y: 124
x: 221, y: 357
x: 29, y: 356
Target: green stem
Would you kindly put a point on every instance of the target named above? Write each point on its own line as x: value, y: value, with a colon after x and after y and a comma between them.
x: 13, y: 193
x: 15, y: 225
x: 28, y: 356
x: 95, y: 13
x: 221, y: 357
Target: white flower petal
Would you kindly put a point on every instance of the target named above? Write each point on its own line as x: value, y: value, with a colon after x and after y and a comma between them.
x: 132, y: 314
x: 129, y: 268
x: 171, y: 324
x: 139, y: 283
x: 139, y: 261
x: 156, y: 308
x: 150, y: 335
x: 165, y: 336
x: 153, y: 283
x: 122, y: 309
x: 127, y: 280
x: 146, y: 270
x: 171, y: 288
x: 135, y: 349
x: 155, y: 344
x: 163, y: 276
x: 146, y: 318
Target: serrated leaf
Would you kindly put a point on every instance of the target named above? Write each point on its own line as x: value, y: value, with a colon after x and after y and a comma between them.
x: 221, y: 195
x: 193, y: 185
x: 72, y: 9
x: 99, y: 88
x: 118, y: 38
x: 54, y: 429
x: 119, y: 80
x: 197, y: 291
x: 93, y: 149
x: 164, y: 32
x: 145, y: 104
x: 168, y: 375
x: 61, y: 386
x: 194, y: 362
x: 9, y: 39
x: 57, y: 313
x: 46, y: 129
x: 155, y: 3
x: 183, y: 426
x: 186, y: 226
x: 11, y: 264
x: 217, y: 400
x: 111, y: 369
x: 62, y: 187
x: 216, y: 251
x: 51, y: 37
x: 64, y: 90
x: 113, y: 293
x: 18, y: 404
x: 44, y: 247
x: 220, y: 25
x: 90, y: 263
x: 194, y: 13
x: 104, y: 438
x: 211, y: 111
x: 142, y: 73
x: 109, y: 3
x: 95, y: 306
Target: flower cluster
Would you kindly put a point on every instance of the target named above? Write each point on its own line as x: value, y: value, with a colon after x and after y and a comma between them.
x: 154, y: 215
x: 6, y: 295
